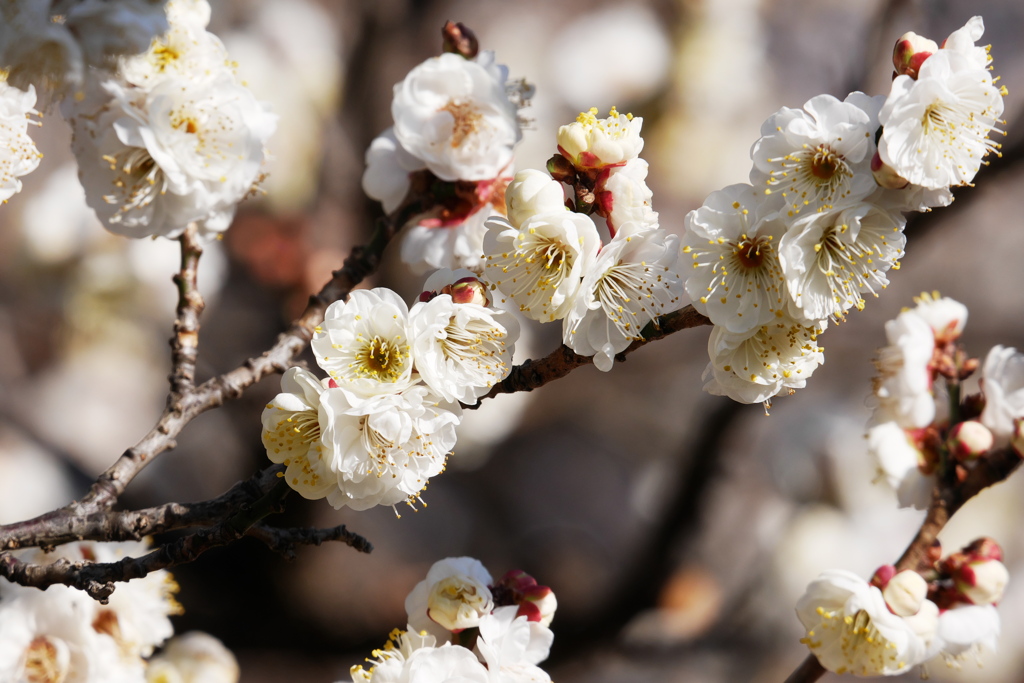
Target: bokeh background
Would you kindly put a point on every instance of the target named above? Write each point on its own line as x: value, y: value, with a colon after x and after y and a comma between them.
x: 677, y: 528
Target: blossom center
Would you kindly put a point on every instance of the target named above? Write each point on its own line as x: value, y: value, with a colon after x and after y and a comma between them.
x: 42, y: 663
x: 748, y: 252
x: 138, y: 180
x: 825, y: 163
x: 380, y: 359
x: 467, y: 119
x: 477, y: 344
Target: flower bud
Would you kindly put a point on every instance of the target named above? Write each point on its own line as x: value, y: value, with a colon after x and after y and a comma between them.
x: 910, y: 52
x: 561, y: 169
x: 531, y: 193
x: 880, y: 579
x: 536, y: 602
x: 905, y: 593
x: 457, y: 602
x: 592, y: 143
x: 459, y: 39
x: 969, y: 440
x: 885, y: 176
x: 982, y: 583
x: 469, y: 290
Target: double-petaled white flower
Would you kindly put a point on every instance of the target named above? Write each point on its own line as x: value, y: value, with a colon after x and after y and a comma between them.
x: 850, y: 629
x: 590, y: 142
x: 624, y: 199
x: 461, y: 349
x: 1002, y: 381
x: 736, y: 279
x: 936, y: 128
x: 456, y: 116
x: 831, y: 259
x: 364, y: 343
x: 540, y: 264
x: 185, y: 151
x: 633, y: 281
x: 818, y: 158
x: 753, y: 367
x: 384, y: 449
x: 18, y: 153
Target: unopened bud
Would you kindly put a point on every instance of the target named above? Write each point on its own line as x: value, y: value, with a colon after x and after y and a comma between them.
x: 561, y: 169
x: 469, y: 290
x: 910, y: 52
x: 530, y: 193
x: 905, y: 593
x: 983, y: 548
x: 969, y: 440
x: 880, y: 579
x: 459, y: 39
x: 457, y: 602
x: 536, y: 602
x: 982, y: 582
x: 885, y: 176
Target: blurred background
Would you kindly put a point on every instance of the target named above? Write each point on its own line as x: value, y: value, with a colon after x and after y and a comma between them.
x: 676, y: 528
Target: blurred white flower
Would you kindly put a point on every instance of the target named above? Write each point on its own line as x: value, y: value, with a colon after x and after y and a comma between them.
x: 455, y: 115
x: 513, y: 646
x: 388, y: 166
x: 899, y: 460
x: 1002, y: 381
x: 18, y: 153
x: 193, y: 657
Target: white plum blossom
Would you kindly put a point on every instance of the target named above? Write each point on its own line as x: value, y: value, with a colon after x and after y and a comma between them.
x: 851, y: 630
x: 448, y: 663
x: 364, y: 343
x: 755, y: 366
x: 107, y: 30
x: 454, y: 596
x: 540, y: 264
x: 187, y: 151
x: 427, y: 246
x: 736, y: 279
x: 899, y: 460
x: 193, y: 657
x: 818, y: 158
x: 461, y: 349
x: 388, y: 166
x: 633, y: 281
x: 292, y: 434
x: 384, y: 449
x: 513, y: 646
x: 1002, y: 381
x: 624, y: 198
x: 962, y: 41
x: 18, y: 153
x: 966, y: 629
x: 37, y: 51
x: 533, y: 192
x: 935, y: 128
x: 590, y: 142
x: 903, y: 387
x: 830, y: 259
x: 456, y: 116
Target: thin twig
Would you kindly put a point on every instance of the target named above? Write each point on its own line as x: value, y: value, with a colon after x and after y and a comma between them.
x: 285, y: 541
x: 185, y: 342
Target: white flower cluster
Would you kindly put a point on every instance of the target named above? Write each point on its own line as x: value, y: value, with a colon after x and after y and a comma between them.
x: 384, y: 421
x: 463, y: 626
x: 550, y: 261
x: 50, y: 44
x: 61, y: 635
x: 899, y: 620
x: 910, y: 434
x: 457, y: 119
x: 18, y: 153
x: 170, y: 136
x: 821, y: 224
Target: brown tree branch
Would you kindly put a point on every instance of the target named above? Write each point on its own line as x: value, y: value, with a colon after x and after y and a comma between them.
x: 563, y: 360
x: 285, y: 541
x: 185, y: 342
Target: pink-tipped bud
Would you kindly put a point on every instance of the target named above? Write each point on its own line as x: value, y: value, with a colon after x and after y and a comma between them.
x: 469, y: 290
x: 885, y: 176
x: 883, y: 575
x: 457, y: 38
x: 905, y: 593
x: 910, y: 52
x: 536, y: 602
x: 969, y: 440
x: 1017, y: 438
x: 982, y: 583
